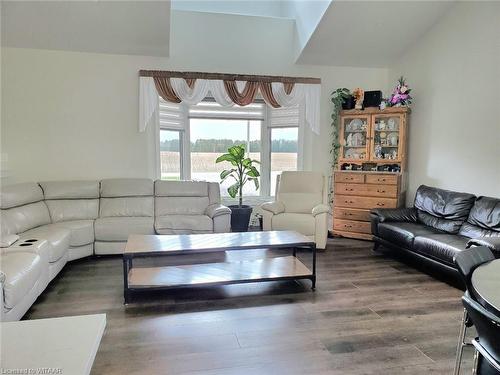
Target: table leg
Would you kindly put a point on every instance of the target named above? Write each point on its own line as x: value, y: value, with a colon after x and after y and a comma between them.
x: 313, y: 278
x: 126, y: 291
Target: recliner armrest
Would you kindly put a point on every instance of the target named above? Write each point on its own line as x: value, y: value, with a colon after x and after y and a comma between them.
x: 492, y: 243
x: 215, y: 210
x: 274, y: 207
x: 320, y: 209
x: 408, y: 215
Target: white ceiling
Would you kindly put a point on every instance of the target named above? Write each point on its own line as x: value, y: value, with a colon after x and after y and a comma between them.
x: 116, y: 27
x: 370, y: 33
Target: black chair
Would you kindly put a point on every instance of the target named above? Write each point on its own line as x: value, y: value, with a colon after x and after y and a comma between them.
x: 487, y: 345
x: 467, y: 261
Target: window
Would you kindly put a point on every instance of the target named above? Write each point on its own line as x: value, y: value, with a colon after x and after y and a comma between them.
x: 192, y: 137
x: 212, y: 137
x: 284, y: 149
x: 170, y: 154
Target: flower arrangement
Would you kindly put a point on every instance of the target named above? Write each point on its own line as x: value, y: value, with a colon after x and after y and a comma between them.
x: 401, y: 94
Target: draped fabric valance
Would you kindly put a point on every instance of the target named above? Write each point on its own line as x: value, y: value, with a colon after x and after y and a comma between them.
x: 228, y: 90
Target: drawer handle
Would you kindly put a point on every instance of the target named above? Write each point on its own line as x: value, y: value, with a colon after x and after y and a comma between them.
x: 349, y: 189
x: 380, y: 204
x: 350, y: 178
x: 381, y: 180
x: 380, y: 191
x: 347, y: 214
x: 347, y: 226
x: 348, y: 201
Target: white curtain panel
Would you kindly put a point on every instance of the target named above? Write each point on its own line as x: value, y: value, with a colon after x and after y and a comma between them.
x: 309, y: 94
x: 148, y: 101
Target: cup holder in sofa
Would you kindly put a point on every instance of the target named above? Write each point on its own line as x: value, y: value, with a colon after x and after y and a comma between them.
x: 26, y: 244
x: 31, y: 240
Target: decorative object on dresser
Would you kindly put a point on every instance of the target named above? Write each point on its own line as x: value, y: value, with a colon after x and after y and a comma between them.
x: 371, y: 167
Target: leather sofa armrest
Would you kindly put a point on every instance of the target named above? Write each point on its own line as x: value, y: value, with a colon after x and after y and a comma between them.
x: 320, y: 209
x: 492, y: 243
x: 215, y: 210
x: 408, y: 215
x: 274, y: 207
x: 8, y: 239
x: 380, y: 215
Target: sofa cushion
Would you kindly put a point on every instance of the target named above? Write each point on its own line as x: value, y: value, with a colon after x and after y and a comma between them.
x: 57, y: 237
x: 70, y: 189
x: 22, y: 270
x: 22, y: 218
x: 119, y: 228
x: 183, y: 224
x: 302, y: 223
x: 181, y: 205
x: 403, y: 234
x: 484, y: 219
x: 442, y: 247
x: 301, y: 191
x: 20, y: 194
x: 126, y: 206
x: 73, y: 209
x: 126, y: 187
x: 442, y: 209
x: 81, y: 231
x: 181, y: 188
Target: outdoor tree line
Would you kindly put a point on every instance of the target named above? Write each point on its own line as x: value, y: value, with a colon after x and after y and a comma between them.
x: 221, y: 145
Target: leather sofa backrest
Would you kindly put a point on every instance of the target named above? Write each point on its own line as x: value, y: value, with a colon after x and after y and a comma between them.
x: 300, y: 191
x: 71, y: 200
x: 22, y: 208
x: 184, y: 197
x: 442, y: 209
x: 131, y: 197
x: 484, y: 219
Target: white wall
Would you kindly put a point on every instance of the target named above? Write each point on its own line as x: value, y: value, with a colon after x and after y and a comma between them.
x: 454, y: 71
x: 70, y: 115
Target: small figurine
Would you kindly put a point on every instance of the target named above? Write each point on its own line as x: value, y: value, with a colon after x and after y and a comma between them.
x: 349, y: 140
x: 359, y: 96
x: 382, y: 125
x: 378, y: 152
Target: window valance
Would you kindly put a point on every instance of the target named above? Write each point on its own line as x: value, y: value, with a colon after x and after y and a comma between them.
x: 227, y: 90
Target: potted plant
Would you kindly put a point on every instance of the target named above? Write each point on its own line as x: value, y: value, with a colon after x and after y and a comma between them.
x: 242, y: 171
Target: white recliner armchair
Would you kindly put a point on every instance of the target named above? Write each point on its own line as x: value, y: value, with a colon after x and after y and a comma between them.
x: 301, y: 205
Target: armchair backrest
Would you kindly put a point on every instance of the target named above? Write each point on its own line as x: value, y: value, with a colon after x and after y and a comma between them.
x: 301, y: 191
x: 184, y: 197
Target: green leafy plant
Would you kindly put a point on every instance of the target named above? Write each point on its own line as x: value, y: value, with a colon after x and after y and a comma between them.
x: 337, y: 97
x: 243, y: 171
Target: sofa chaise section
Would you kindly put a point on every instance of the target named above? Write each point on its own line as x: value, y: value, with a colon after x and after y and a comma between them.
x: 126, y: 207
x: 25, y: 213
x: 186, y: 207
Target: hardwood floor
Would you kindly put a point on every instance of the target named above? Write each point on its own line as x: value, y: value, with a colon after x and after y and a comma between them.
x: 370, y: 314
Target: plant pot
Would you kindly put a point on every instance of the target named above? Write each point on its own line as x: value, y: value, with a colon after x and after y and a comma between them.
x: 240, y: 218
x: 349, y: 103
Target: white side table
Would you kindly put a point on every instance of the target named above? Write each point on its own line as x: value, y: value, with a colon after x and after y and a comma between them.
x: 65, y: 345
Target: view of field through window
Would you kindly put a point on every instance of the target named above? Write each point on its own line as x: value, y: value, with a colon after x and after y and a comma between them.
x: 210, y: 138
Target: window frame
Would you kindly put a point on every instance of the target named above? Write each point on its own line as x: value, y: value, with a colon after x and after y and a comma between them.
x: 265, y: 152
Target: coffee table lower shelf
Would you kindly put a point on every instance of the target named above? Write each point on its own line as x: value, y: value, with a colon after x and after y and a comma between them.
x: 209, y: 274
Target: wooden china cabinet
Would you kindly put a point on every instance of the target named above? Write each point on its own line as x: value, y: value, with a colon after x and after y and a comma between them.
x: 371, y: 169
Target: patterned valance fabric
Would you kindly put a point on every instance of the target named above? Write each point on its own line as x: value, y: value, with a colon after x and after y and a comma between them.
x: 228, y: 90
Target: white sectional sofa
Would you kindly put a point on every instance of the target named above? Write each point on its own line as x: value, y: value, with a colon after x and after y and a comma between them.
x: 50, y: 223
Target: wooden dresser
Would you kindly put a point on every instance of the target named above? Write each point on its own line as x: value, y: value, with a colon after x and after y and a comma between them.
x: 358, y: 192
x: 371, y: 168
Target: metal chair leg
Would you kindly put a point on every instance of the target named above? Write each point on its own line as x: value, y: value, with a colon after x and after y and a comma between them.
x: 476, y: 363
x: 461, y: 343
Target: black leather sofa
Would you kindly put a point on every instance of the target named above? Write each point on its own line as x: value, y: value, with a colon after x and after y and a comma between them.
x: 440, y: 224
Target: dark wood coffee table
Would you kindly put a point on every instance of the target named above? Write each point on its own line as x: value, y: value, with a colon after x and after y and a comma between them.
x: 208, y: 274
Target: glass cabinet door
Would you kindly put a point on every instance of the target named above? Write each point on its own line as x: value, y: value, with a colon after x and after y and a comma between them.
x: 387, y: 135
x: 354, y: 138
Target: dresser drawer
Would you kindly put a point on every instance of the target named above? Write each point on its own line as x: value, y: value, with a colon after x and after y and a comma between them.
x: 352, y: 226
x: 351, y: 214
x: 384, y: 179
x: 389, y: 191
x: 364, y: 202
x: 350, y: 177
